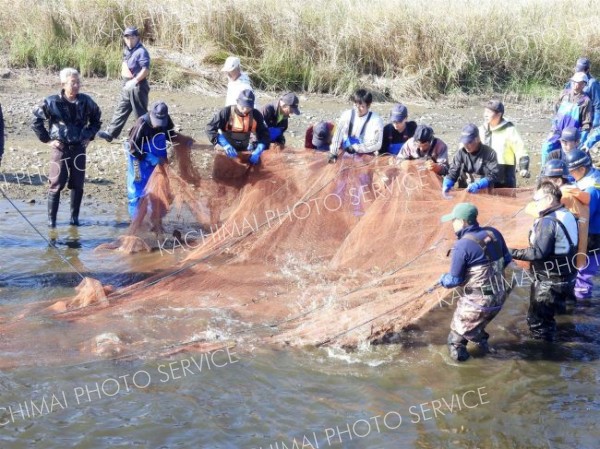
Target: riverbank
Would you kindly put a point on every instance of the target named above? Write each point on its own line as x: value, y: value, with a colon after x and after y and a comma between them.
x: 398, y: 48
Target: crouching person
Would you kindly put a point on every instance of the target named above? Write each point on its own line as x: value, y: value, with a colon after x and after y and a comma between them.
x: 231, y: 127
x: 553, y: 245
x: 478, y: 261
x: 147, y: 147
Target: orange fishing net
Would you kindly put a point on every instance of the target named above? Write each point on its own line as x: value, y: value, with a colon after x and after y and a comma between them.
x: 294, y: 251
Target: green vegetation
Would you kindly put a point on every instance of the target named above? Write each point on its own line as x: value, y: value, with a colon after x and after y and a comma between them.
x: 403, y: 47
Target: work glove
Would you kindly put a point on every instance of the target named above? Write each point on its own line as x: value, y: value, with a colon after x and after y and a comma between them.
x: 229, y: 150
x: 478, y: 185
x: 448, y: 281
x: 524, y: 167
x: 131, y: 84
x: 332, y: 158
x: 434, y: 167
x: 350, y: 144
x: 447, y: 185
x: 152, y: 159
x: 255, y: 156
x: 275, y: 134
x: 394, y: 148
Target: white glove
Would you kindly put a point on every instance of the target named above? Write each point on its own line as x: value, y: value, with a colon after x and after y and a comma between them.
x: 524, y: 173
x: 131, y: 84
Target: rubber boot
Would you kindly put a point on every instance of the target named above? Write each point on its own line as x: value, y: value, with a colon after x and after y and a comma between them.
x: 53, y: 202
x: 457, y: 347
x: 76, y: 196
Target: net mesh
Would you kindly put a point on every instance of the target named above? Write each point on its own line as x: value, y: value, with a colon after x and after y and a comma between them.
x: 294, y: 251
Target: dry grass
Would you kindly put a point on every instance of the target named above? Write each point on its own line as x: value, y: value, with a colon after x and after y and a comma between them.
x: 405, y: 47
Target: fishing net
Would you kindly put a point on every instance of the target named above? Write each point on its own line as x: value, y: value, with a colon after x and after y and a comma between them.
x: 294, y: 251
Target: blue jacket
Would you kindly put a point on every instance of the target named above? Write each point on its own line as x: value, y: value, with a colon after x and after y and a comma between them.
x: 466, y: 253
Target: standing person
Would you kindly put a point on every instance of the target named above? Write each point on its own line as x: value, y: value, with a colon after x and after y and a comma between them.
x: 276, y: 115
x: 398, y: 131
x: 73, y: 121
x: 232, y: 126
x: 423, y: 145
x: 238, y: 80
x: 1, y: 134
x: 359, y: 130
x: 592, y: 88
x: 135, y: 69
x: 588, y: 180
x: 479, y: 257
x: 147, y: 147
x: 474, y: 165
x: 574, y: 109
x: 318, y: 136
x: 502, y: 136
x: 553, y: 244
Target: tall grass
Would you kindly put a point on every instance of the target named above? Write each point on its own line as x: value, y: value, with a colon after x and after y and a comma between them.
x: 402, y: 46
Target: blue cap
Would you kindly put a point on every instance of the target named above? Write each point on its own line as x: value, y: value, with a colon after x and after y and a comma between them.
x: 159, y: 114
x: 469, y: 133
x: 321, y: 135
x: 399, y: 112
x: 582, y: 65
x: 131, y: 31
x: 570, y: 134
x: 246, y: 98
x: 577, y: 159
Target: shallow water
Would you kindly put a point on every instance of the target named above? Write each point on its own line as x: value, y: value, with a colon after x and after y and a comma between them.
x: 526, y: 394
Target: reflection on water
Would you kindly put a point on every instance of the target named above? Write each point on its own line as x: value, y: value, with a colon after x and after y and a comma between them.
x: 525, y: 394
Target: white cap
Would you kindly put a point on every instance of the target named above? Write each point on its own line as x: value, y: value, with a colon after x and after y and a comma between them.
x: 579, y: 77
x: 231, y: 63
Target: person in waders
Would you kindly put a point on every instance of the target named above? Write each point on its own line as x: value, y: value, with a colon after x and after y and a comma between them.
x: 474, y: 165
x: 147, y: 148
x: 73, y: 121
x: 277, y: 114
x: 553, y: 243
x: 398, y: 131
x: 359, y: 130
x: 231, y: 127
x: 479, y: 257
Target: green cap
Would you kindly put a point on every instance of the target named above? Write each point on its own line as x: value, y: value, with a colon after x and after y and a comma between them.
x: 462, y: 211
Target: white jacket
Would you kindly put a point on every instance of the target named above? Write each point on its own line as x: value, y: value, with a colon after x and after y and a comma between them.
x: 370, y: 140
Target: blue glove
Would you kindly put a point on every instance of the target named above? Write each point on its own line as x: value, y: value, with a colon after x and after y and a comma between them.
x: 230, y: 151
x: 255, y: 156
x: 348, y: 142
x: 275, y: 133
x: 152, y: 159
x: 449, y: 281
x: 447, y: 185
x: 394, y: 148
x: 476, y: 186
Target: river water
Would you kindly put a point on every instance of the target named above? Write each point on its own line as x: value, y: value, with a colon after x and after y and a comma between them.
x: 526, y: 394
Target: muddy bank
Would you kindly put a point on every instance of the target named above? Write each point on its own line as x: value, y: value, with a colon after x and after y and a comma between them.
x: 25, y: 163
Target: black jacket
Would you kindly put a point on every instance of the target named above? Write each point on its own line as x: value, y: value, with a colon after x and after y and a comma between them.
x: 269, y: 113
x: 70, y: 129
x: 550, y: 234
x: 482, y: 164
x: 390, y: 135
x: 220, y: 120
